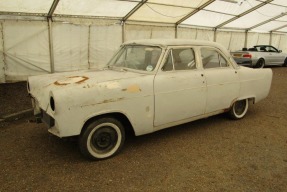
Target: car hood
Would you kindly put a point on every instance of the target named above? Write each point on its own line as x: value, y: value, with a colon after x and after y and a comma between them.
x: 41, y: 86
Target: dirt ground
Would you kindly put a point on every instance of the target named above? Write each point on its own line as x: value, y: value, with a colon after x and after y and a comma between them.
x: 13, y: 98
x: 213, y: 154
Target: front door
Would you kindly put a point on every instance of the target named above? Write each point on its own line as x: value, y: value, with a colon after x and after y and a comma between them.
x: 179, y: 87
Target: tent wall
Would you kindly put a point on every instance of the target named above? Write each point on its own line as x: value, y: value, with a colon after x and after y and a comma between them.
x: 283, y: 43
x: 83, y: 44
x: 26, y: 49
x: 231, y: 40
x: 70, y: 46
x: 257, y: 39
x: 134, y: 32
x: 104, y: 41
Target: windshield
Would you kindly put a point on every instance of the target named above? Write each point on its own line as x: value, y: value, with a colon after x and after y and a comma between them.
x: 138, y: 57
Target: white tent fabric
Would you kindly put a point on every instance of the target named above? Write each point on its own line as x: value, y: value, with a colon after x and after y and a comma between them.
x: 70, y: 47
x: 31, y: 6
x: 26, y: 49
x: 104, y: 8
x: 135, y: 32
x: 102, y: 46
x: 39, y: 37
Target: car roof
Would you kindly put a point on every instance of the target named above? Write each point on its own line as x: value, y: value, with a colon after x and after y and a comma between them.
x: 163, y: 43
x: 172, y: 42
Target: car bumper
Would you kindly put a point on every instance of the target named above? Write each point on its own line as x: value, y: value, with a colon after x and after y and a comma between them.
x: 244, y: 62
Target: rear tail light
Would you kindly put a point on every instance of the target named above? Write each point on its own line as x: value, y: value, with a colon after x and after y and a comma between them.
x: 247, y: 56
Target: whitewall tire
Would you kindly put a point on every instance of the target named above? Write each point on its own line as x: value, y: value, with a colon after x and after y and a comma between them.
x: 101, y: 139
x: 239, y: 109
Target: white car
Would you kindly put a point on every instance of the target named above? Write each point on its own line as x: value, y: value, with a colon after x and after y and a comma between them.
x: 147, y: 86
x: 260, y: 56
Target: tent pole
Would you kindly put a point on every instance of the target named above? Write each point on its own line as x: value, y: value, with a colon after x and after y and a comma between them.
x: 246, y: 38
x: 270, y: 38
x: 4, y: 55
x: 176, y: 27
x: 89, y: 46
x: 123, y: 31
x: 51, y: 45
x: 215, y: 35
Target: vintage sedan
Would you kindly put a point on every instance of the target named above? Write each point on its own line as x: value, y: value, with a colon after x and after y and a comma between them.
x: 147, y: 86
x: 260, y: 56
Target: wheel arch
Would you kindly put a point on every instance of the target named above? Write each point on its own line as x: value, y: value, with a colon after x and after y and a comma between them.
x: 250, y: 98
x: 117, y: 115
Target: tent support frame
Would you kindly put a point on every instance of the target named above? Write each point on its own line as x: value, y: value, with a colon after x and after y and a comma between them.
x: 123, y: 31
x: 3, y: 44
x: 246, y: 38
x: 51, y: 48
x: 244, y: 13
x: 215, y: 35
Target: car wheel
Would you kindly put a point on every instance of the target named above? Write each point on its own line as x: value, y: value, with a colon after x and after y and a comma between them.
x: 260, y: 63
x: 102, y: 138
x: 239, y: 109
x: 285, y: 63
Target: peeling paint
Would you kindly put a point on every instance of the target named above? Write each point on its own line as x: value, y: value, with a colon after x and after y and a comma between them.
x: 132, y: 89
x: 113, y: 85
x: 104, y: 102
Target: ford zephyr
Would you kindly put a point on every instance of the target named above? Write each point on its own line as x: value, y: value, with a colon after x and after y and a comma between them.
x: 148, y: 85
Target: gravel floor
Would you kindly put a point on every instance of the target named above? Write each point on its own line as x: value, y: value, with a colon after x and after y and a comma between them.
x: 14, y: 98
x: 213, y: 154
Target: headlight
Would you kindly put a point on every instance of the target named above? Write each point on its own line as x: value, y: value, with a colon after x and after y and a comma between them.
x: 52, y: 103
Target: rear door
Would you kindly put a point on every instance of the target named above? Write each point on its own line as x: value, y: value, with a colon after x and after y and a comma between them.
x: 221, y: 78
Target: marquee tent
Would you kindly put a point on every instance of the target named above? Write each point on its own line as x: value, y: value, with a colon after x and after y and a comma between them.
x: 48, y: 36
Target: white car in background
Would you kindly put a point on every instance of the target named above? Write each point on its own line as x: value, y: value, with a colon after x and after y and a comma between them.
x: 260, y: 56
x: 147, y: 86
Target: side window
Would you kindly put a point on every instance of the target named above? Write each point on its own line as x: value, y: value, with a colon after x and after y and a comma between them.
x: 184, y: 59
x: 180, y: 59
x: 212, y: 59
x: 223, y: 62
x: 271, y: 49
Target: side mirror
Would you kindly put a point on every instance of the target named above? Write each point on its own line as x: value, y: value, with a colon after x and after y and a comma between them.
x: 279, y: 51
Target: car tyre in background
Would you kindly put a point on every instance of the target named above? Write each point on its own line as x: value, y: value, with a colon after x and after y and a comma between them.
x: 260, y: 63
x: 285, y: 63
x: 238, y: 109
x: 102, y: 138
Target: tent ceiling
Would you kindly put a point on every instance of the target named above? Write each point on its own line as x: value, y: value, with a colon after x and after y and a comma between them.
x: 255, y: 15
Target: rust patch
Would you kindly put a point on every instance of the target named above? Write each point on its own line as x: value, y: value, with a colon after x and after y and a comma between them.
x: 66, y: 81
x: 110, y: 100
x: 132, y: 89
x: 57, y: 83
x: 84, y: 78
x: 226, y: 110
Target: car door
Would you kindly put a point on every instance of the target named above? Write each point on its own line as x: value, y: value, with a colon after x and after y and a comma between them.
x: 179, y: 88
x: 276, y: 56
x: 222, y: 80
